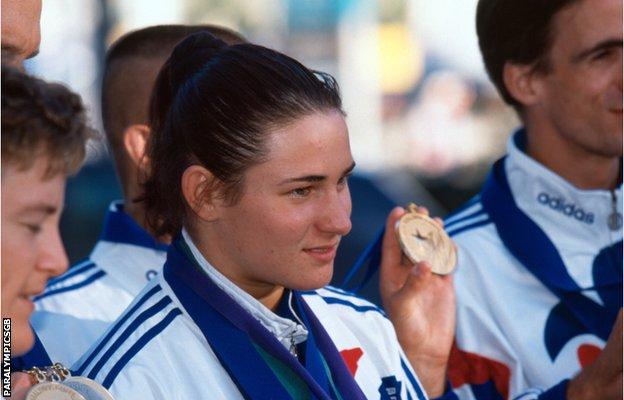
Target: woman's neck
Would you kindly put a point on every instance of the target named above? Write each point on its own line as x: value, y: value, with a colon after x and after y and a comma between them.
x: 268, y: 294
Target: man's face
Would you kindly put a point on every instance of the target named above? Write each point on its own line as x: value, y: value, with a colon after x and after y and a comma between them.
x: 32, y: 251
x: 582, y: 93
x: 21, y: 33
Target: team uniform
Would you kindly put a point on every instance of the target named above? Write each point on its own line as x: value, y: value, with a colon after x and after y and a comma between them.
x: 77, y: 307
x: 538, y: 281
x: 193, y: 334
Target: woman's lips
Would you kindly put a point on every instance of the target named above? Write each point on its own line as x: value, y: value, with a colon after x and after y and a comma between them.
x: 322, y: 253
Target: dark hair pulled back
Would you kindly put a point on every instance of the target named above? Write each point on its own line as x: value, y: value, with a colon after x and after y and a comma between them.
x: 214, y: 105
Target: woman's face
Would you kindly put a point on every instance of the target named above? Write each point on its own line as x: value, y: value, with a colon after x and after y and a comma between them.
x: 293, y: 211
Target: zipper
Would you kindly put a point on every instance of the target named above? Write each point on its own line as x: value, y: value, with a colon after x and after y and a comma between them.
x: 615, y: 218
x: 293, y: 346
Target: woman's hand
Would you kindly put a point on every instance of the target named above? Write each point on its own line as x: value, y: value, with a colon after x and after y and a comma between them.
x: 421, y: 306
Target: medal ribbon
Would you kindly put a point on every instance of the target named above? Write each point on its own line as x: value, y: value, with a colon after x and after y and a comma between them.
x: 532, y: 247
x: 257, y: 362
x: 36, y: 357
x: 371, y: 257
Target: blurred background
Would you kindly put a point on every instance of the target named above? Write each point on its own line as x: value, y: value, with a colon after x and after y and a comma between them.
x: 425, y: 123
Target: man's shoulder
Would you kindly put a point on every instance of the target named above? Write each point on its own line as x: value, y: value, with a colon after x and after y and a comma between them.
x: 480, y: 249
x: 146, y: 322
x: 80, y: 277
x: 342, y: 301
x: 470, y: 222
x: 86, y: 285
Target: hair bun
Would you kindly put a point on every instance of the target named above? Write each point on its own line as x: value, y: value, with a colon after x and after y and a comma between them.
x: 190, y: 55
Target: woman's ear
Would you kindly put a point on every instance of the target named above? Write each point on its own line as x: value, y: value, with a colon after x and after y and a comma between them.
x: 198, y: 189
x: 522, y: 82
x: 135, y: 139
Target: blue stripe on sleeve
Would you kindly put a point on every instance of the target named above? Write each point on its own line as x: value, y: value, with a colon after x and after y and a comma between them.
x: 141, y: 318
x: 116, y: 327
x: 340, y: 291
x: 421, y: 395
x: 76, y: 270
x: 89, y: 280
x: 469, y: 227
x: 335, y: 300
x: 476, y: 214
x: 132, y: 351
x: 457, y: 213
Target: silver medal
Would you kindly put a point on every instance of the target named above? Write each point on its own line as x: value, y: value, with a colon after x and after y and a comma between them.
x: 90, y: 389
x: 52, y: 391
x: 55, y: 382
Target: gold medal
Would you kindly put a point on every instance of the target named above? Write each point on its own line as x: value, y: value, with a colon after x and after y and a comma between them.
x: 52, y: 391
x: 422, y: 239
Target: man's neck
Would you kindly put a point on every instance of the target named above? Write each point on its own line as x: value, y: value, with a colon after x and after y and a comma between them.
x: 137, y: 213
x: 580, y: 167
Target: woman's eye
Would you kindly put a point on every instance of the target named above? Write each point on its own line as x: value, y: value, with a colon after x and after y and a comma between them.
x: 343, y: 181
x: 600, y: 55
x: 34, y: 228
x: 300, y: 192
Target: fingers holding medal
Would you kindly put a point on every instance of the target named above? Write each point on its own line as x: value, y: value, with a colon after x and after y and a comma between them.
x: 423, y: 239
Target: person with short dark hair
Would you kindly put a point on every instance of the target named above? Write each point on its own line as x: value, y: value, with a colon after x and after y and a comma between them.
x: 539, y: 276
x: 92, y: 294
x: 249, y: 164
x: 44, y: 133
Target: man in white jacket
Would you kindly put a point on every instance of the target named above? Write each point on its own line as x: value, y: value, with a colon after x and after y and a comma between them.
x: 539, y: 278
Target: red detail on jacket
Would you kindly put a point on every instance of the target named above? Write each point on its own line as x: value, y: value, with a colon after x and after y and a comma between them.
x: 587, y: 354
x: 351, y: 358
x: 473, y: 369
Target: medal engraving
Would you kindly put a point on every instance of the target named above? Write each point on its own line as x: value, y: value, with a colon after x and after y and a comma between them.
x: 52, y: 391
x: 422, y: 239
x: 90, y: 389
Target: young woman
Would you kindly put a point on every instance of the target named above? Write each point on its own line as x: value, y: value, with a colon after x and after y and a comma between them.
x: 250, y: 159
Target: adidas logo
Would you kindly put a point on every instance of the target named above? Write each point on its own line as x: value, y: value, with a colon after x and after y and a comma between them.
x: 568, y: 209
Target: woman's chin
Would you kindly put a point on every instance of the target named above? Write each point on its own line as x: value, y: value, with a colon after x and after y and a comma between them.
x: 22, y: 338
x: 318, y: 281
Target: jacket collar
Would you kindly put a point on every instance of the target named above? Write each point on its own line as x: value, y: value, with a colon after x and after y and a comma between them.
x: 552, y: 201
x: 284, y: 329
x: 119, y: 227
